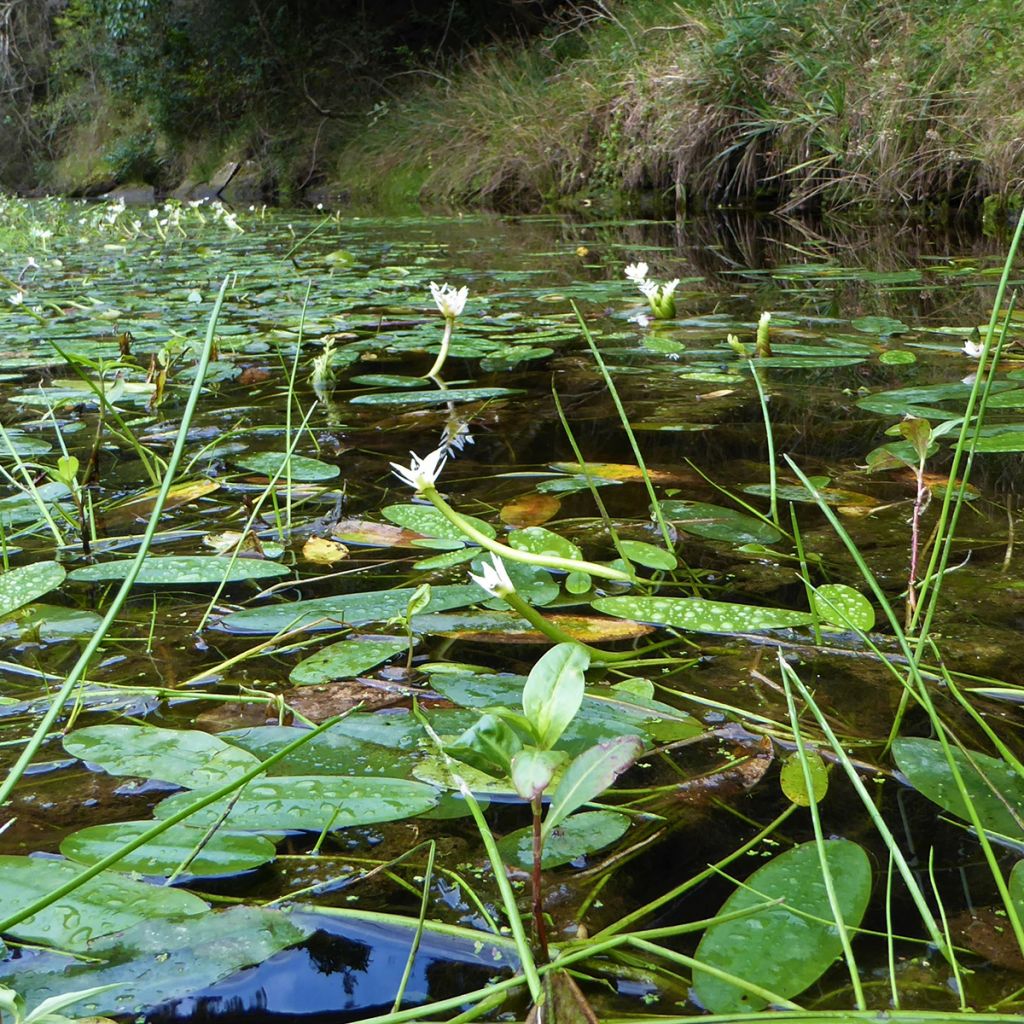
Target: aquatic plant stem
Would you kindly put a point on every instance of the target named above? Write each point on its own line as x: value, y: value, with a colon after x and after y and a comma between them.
x: 673, y: 894
x: 77, y: 672
x: 819, y: 837
x: 446, y: 340
x: 508, y: 897
x: 666, y: 533
x: 540, y: 927
x: 950, y: 512
x: 514, y: 554
x: 773, y: 473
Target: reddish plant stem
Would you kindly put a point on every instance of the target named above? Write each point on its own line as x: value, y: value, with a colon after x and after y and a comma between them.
x: 539, y: 925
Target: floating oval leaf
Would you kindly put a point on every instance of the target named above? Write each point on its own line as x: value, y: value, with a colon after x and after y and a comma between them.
x: 182, y: 570
x: 157, y: 960
x: 543, y: 542
x: 785, y: 948
x: 347, y: 609
x: 428, y: 521
x: 223, y: 853
x: 345, y: 660
x: 794, y: 782
x: 648, y: 555
x: 530, y: 509
x: 702, y: 616
x: 713, y: 522
x: 20, y: 586
x: 309, y: 803
x: 296, y: 467
x: 185, y: 757
x: 577, y: 836
x: 110, y: 902
x: 845, y: 607
x: 995, y: 789
x: 423, y: 398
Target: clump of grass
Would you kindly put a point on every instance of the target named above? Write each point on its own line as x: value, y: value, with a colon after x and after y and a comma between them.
x: 782, y: 101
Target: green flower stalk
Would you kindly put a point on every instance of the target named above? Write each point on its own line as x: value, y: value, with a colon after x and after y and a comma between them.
x: 451, y: 302
x: 422, y: 475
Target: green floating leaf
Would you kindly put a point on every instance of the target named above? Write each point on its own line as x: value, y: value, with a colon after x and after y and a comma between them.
x: 702, y: 616
x: 347, y: 609
x: 649, y: 555
x: 424, y: 398
x: 840, y: 605
x: 713, y: 522
x: 798, y: 493
x: 345, y: 660
x: 881, y: 325
x: 589, y: 776
x: 182, y: 570
x: 543, y: 542
x: 20, y: 586
x: 157, y: 960
x: 108, y: 903
x: 297, y: 467
x: 185, y: 757
x: 223, y: 853
x: 794, y: 783
x: 577, y: 836
x: 51, y: 622
x: 309, y: 803
x: 786, y: 948
x: 427, y: 520
x: 897, y: 357
x: 993, y: 787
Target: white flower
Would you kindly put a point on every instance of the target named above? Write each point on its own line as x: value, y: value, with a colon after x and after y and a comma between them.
x: 637, y: 272
x: 973, y: 349
x: 641, y: 320
x: 449, y: 300
x: 494, y: 579
x: 16, y: 299
x: 669, y: 289
x: 421, y: 473
x: 649, y: 289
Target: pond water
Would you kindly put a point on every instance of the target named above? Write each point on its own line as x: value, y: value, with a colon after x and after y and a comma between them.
x: 284, y: 586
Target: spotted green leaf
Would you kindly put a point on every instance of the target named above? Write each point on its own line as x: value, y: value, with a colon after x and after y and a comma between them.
x: 345, y: 660
x: 702, y: 616
x: 20, y: 586
x: 182, y: 570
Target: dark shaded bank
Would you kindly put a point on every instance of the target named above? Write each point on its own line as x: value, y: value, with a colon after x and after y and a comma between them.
x: 783, y: 104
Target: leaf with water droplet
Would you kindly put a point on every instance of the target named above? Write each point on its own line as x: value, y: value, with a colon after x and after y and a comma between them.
x: 181, y: 570
x: 108, y: 903
x: 185, y: 757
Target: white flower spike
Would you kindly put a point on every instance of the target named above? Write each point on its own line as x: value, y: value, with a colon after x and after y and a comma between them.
x: 451, y: 301
x: 637, y: 272
x: 495, y: 578
x: 973, y: 349
x: 421, y: 473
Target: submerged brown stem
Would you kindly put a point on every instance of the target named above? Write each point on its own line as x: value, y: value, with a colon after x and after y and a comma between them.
x: 539, y: 925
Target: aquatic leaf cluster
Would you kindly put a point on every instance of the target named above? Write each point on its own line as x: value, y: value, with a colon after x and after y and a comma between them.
x: 649, y: 619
